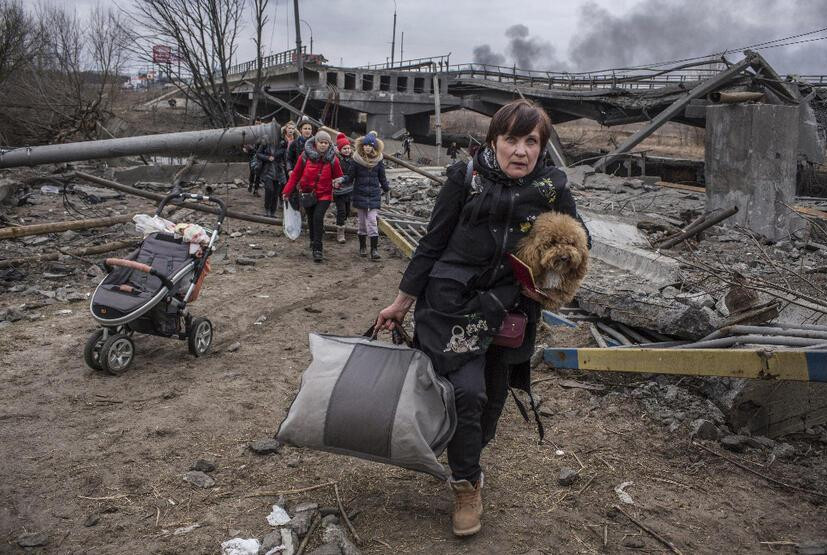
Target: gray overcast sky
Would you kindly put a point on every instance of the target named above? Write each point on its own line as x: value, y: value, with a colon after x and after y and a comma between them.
x: 573, y: 35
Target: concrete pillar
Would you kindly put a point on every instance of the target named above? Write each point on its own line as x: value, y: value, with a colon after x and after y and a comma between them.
x: 340, y: 80
x: 751, y: 163
x: 384, y: 124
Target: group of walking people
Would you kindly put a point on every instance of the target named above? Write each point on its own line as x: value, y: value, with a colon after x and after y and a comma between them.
x: 306, y: 168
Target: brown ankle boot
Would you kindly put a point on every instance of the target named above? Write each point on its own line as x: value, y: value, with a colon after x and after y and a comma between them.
x: 467, y: 507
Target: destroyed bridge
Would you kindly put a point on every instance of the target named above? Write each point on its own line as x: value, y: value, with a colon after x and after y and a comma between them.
x: 403, y: 95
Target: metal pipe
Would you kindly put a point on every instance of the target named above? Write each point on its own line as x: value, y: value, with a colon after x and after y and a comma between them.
x: 211, y: 141
x: 735, y: 97
x: 757, y: 339
x: 789, y: 332
x: 614, y: 333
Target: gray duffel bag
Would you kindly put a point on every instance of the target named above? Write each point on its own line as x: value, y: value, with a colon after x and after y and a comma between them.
x: 373, y: 400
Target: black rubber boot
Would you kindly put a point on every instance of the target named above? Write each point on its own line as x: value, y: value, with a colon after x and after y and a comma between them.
x: 317, y: 256
x: 363, y: 245
x: 374, y: 248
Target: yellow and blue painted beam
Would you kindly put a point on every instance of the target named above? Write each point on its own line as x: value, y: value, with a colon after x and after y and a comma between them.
x: 734, y: 363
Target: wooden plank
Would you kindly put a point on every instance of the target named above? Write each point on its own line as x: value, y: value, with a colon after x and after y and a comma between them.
x: 396, y: 238
x: 756, y: 364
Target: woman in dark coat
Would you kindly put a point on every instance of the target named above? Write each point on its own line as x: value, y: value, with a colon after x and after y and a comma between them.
x: 367, y: 176
x: 463, y: 285
x: 272, y: 176
x: 342, y: 194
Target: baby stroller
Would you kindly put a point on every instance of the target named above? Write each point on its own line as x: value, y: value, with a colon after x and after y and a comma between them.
x: 148, y: 292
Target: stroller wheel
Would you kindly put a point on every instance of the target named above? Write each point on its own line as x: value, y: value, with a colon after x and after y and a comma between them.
x: 199, y: 337
x: 117, y: 353
x: 92, y: 350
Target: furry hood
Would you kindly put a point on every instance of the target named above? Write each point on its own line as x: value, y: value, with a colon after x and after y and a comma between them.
x: 363, y: 159
x: 314, y: 155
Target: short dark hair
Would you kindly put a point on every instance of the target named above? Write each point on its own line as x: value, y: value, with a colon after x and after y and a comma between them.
x: 519, y: 118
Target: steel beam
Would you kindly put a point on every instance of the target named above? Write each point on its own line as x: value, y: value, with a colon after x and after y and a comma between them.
x: 704, y: 88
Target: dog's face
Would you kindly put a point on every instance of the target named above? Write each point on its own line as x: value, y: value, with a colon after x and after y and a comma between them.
x: 560, y: 258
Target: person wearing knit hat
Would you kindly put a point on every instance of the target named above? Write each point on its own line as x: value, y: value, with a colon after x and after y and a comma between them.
x: 305, y: 128
x: 342, y: 141
x: 342, y: 193
x: 322, y: 135
x: 313, y: 176
x: 367, y: 176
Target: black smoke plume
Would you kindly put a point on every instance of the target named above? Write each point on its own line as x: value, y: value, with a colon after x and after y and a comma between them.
x: 523, y: 50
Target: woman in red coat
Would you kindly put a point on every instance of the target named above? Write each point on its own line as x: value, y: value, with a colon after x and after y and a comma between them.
x: 314, y: 172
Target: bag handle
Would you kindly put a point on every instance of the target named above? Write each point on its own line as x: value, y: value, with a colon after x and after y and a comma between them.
x: 398, y: 334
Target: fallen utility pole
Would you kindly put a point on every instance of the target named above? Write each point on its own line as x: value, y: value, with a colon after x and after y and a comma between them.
x: 709, y: 222
x: 42, y: 229
x: 158, y: 198
x: 200, y: 207
x: 211, y: 141
x: 437, y: 116
x: 97, y: 249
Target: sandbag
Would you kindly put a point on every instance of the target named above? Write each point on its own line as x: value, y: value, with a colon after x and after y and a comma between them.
x: 373, y: 400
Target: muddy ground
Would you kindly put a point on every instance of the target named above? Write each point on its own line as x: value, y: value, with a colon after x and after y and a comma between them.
x: 96, y: 461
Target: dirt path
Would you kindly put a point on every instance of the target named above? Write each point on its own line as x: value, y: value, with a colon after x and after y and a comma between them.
x: 77, y: 443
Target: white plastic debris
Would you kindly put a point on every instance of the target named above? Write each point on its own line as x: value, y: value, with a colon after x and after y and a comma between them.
x: 292, y: 222
x: 185, y: 529
x: 622, y: 495
x: 240, y: 546
x: 278, y: 517
x: 145, y: 224
x: 559, y: 452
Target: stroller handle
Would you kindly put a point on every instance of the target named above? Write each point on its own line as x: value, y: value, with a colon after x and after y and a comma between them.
x: 146, y: 268
x: 222, y: 208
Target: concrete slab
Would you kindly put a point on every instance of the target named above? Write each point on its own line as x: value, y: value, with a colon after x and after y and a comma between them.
x: 623, y: 245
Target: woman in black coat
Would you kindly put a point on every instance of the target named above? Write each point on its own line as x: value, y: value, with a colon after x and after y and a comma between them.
x: 463, y: 285
x: 271, y: 175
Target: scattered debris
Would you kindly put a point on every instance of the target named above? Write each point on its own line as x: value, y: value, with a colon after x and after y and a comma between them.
x: 622, y: 495
x: 33, y: 540
x: 203, y: 465
x: 278, y: 517
x: 567, y: 476
x: 265, y: 446
x: 199, y: 479
x: 240, y: 546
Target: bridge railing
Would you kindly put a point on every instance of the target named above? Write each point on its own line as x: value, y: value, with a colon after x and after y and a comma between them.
x: 636, y: 78
x: 818, y: 80
x: 430, y: 64
x: 287, y: 57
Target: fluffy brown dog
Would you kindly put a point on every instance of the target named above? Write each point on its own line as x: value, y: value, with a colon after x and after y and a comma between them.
x: 556, y: 249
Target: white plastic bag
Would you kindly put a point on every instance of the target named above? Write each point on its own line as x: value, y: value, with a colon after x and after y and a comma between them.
x: 146, y: 224
x: 292, y: 222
